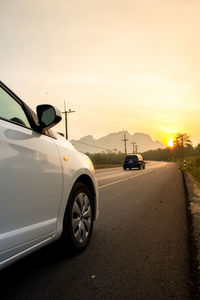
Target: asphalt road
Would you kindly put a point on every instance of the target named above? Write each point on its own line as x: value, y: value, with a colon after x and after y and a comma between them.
x: 139, y: 248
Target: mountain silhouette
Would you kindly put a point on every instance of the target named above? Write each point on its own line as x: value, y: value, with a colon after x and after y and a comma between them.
x: 113, y: 142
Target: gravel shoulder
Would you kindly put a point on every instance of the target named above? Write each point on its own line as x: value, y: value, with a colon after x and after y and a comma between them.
x: 193, y: 203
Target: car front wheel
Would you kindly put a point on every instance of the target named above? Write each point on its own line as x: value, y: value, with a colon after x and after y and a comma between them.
x: 78, y: 220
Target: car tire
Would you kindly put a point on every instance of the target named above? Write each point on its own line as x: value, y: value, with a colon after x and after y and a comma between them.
x: 139, y: 168
x: 124, y: 169
x: 78, y: 220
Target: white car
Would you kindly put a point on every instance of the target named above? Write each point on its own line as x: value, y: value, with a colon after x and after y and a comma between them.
x: 48, y: 190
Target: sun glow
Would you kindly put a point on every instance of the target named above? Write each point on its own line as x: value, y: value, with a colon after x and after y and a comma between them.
x: 171, y: 143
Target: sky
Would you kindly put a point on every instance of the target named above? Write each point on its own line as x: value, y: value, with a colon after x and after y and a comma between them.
x: 120, y: 64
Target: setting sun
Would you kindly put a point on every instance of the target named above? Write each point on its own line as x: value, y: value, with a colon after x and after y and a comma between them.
x: 169, y: 135
x: 171, y: 143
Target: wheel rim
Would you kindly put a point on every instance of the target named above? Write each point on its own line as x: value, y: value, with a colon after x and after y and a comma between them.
x: 81, y: 217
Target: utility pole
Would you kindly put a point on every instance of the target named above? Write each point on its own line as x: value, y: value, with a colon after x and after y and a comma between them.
x: 136, y: 148
x: 125, y: 140
x: 133, y: 143
x: 67, y: 112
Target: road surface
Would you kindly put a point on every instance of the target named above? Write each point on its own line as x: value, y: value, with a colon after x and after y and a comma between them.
x: 139, y: 248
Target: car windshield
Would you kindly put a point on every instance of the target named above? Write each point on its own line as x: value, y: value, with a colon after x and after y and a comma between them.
x: 131, y: 158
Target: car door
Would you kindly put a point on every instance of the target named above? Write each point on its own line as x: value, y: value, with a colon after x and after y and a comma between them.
x: 30, y: 180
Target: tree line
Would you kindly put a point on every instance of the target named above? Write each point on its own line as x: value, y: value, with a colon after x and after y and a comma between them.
x: 108, y: 157
x: 182, y: 148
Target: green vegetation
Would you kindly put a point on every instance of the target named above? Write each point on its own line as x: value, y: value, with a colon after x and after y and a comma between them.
x: 159, y: 155
x: 107, y: 160
x: 182, y: 149
x: 192, y: 166
x: 105, y: 166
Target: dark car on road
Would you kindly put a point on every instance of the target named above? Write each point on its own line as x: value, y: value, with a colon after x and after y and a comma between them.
x: 134, y: 161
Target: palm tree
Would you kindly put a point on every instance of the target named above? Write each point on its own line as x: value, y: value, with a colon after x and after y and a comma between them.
x: 182, y: 139
x: 181, y: 143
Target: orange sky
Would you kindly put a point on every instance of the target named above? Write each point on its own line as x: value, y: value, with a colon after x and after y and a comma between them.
x: 121, y: 64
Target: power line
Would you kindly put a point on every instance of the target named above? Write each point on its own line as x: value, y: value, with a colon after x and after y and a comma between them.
x: 98, y: 147
x: 92, y: 145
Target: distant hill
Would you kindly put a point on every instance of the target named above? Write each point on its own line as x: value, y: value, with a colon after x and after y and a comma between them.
x: 112, y: 142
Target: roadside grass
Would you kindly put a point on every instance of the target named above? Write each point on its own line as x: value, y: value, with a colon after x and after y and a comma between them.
x: 105, y: 166
x: 107, y: 160
x: 192, y: 166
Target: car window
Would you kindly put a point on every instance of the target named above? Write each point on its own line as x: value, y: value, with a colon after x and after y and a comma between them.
x: 11, y: 110
x: 131, y: 157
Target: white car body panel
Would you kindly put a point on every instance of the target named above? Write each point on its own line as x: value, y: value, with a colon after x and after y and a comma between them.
x: 13, y: 241
x: 30, y: 185
x: 75, y: 166
x: 37, y: 174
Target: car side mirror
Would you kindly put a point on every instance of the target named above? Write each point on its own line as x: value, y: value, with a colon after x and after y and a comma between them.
x: 48, y: 116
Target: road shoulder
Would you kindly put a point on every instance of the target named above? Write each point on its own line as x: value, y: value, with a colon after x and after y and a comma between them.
x: 193, y: 205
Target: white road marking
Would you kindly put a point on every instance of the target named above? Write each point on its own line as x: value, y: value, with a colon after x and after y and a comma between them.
x: 124, y: 179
